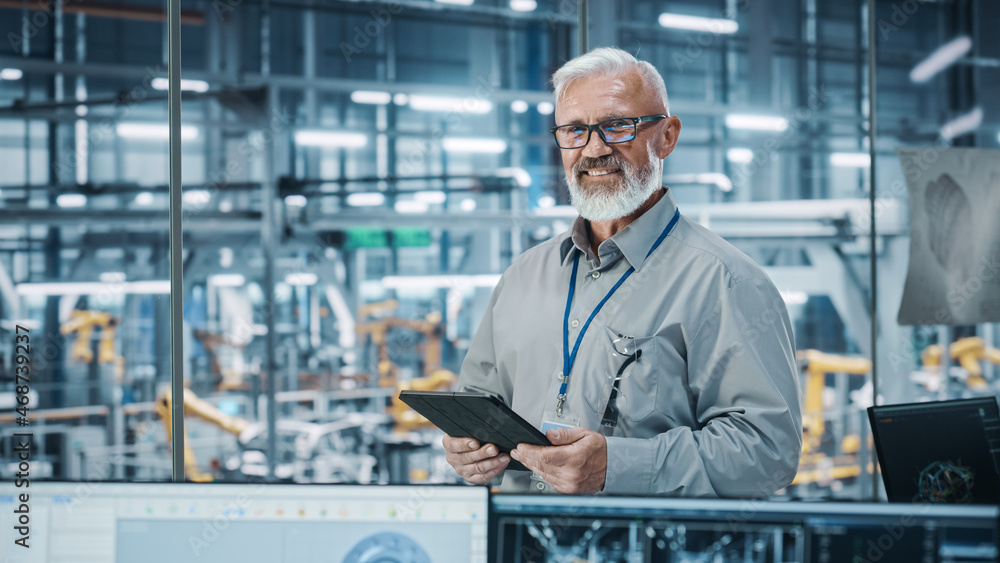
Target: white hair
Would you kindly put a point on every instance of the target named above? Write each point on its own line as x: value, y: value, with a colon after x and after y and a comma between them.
x: 608, y: 61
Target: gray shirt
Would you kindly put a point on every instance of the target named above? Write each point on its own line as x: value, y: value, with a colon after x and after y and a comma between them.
x: 711, y: 405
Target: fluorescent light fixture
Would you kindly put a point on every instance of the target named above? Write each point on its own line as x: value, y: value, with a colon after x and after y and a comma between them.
x: 468, y: 204
x: 444, y: 103
x: 186, y: 85
x: 756, y: 122
x: 81, y: 110
x: 940, y: 59
x: 696, y: 23
x: 519, y: 106
x: 227, y: 280
x: 411, y: 206
x: 440, y: 282
x: 523, y: 5
x: 401, y: 99
x: 112, y: 277
x: 371, y: 97
x: 740, y: 155
x: 546, y: 108
x: 520, y: 175
x: 226, y: 256
x: 330, y: 139
x: 546, y: 202
x: 11, y: 74
x: 94, y: 288
x: 196, y: 197
x: 430, y: 197
x: 851, y: 159
x: 301, y: 278
x: 962, y: 124
x: 153, y: 131
x: 144, y: 198
x: 457, y: 2
x: 477, y: 145
x: 365, y: 199
x: 794, y: 297
x: 71, y: 200
x: 295, y: 200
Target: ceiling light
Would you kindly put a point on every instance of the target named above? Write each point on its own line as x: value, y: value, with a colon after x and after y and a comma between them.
x: 962, y: 124
x: 11, y: 74
x: 400, y: 99
x: 365, y: 199
x: 71, y: 200
x: 226, y: 256
x: 717, y: 179
x: 457, y: 2
x: 851, y: 159
x: 449, y: 104
x: 330, y: 139
x: 371, y: 97
x: 546, y: 108
x: 411, y: 206
x: 227, y: 280
x: 431, y: 197
x: 301, y: 278
x: 296, y: 200
x: 519, y: 106
x: 144, y: 198
x: 520, y: 175
x: 186, y: 85
x: 523, y: 5
x: 468, y: 204
x: 94, y: 288
x: 739, y: 155
x: 756, y: 122
x: 696, y: 23
x: 794, y: 297
x: 476, y: 145
x: 940, y: 59
x: 546, y: 201
x: 153, y: 131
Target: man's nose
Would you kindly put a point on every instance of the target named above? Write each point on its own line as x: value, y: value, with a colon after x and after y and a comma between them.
x: 596, y: 147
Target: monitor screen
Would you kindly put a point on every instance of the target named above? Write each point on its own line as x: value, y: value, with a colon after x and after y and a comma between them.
x: 940, y: 452
x: 241, y: 523
x: 549, y: 528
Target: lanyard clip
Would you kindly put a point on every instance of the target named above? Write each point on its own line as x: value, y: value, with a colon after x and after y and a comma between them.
x: 559, y: 402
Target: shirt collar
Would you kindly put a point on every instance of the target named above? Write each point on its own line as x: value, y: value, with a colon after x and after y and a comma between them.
x: 634, y: 240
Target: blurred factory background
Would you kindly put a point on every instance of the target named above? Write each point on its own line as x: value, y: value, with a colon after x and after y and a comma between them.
x: 365, y: 171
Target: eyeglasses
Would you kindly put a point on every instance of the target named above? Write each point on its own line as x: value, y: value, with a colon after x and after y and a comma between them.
x: 612, y: 131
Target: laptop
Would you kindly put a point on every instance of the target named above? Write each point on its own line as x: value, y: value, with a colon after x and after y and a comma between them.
x: 943, y: 452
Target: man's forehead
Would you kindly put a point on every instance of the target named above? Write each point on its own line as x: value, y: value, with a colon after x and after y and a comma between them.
x: 606, y: 95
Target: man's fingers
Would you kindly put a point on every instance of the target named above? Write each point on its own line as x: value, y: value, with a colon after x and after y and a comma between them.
x: 490, y: 468
x: 459, y: 445
x: 565, y: 436
x: 485, y: 452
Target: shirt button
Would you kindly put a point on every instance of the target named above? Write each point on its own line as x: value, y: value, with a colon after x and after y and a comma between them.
x: 540, y: 486
x: 595, y: 275
x: 559, y: 376
x: 574, y: 323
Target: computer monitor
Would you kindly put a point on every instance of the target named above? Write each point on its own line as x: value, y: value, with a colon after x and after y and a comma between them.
x: 243, y: 523
x: 939, y: 452
x: 550, y: 528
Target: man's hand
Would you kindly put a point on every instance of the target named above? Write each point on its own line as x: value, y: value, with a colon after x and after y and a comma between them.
x: 473, y: 463
x: 576, y: 463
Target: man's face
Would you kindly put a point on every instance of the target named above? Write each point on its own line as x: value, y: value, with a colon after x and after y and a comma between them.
x: 610, y: 181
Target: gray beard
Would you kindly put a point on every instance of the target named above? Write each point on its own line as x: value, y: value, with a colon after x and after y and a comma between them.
x: 622, y: 199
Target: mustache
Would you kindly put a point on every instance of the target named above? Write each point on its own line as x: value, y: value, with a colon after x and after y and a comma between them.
x: 606, y: 161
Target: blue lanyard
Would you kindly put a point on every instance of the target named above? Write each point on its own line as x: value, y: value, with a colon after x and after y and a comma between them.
x: 570, y: 357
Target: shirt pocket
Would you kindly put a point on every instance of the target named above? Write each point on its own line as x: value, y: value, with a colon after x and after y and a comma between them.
x: 627, y: 374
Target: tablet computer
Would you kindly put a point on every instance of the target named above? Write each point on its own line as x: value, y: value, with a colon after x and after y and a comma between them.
x: 476, y: 415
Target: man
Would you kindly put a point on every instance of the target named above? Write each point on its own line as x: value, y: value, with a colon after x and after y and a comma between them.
x: 656, y: 356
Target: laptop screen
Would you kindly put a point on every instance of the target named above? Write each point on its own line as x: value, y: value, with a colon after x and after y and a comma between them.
x: 940, y: 452
x: 239, y: 523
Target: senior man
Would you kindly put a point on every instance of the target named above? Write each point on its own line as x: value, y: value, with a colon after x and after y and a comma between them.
x: 657, y: 357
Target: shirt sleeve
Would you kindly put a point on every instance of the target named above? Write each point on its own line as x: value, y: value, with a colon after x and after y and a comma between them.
x: 479, y: 369
x: 745, y: 396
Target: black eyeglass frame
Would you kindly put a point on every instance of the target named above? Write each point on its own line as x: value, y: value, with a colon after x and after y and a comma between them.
x: 590, y: 129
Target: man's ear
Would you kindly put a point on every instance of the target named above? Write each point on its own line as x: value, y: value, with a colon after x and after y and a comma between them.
x: 671, y: 132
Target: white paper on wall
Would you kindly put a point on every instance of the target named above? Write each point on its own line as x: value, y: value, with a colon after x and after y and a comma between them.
x: 954, y: 272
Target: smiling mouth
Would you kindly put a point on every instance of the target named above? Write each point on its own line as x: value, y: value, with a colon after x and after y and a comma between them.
x: 599, y: 172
